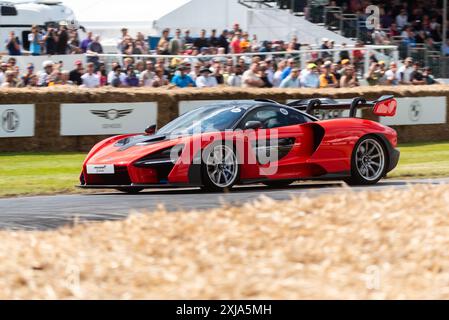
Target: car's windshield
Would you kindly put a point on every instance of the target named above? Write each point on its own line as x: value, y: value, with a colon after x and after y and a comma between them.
x: 206, y: 119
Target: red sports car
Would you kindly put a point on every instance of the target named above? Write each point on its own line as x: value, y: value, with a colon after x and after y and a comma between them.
x: 218, y: 146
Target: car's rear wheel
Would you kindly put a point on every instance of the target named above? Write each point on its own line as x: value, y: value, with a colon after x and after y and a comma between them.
x: 368, y: 164
x: 278, y: 184
x: 130, y: 190
x: 220, y: 168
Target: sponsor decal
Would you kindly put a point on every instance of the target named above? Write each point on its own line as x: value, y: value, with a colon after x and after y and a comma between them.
x: 17, y: 120
x: 415, y: 111
x: 100, y: 169
x: 418, y: 111
x: 79, y: 119
x: 111, y: 114
x: 10, y: 120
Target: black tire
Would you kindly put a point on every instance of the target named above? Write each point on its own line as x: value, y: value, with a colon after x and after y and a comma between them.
x: 366, y: 168
x: 130, y: 190
x: 278, y: 184
x: 211, y: 185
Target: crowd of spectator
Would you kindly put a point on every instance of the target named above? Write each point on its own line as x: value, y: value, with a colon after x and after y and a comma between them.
x: 195, y: 67
x: 412, y: 22
x: 52, y: 40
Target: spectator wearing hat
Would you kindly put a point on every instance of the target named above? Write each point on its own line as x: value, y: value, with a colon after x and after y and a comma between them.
x: 117, y: 79
x: 205, y: 80
x: 325, y: 46
x: 311, y: 78
x: 44, y: 77
x: 10, y: 81
x: 292, y: 81
x: 25, y: 80
x: 76, y: 74
x: 182, y: 79
x: 13, y: 44
x: 327, y: 79
x: 349, y: 78
x: 90, y: 79
x: 251, y: 78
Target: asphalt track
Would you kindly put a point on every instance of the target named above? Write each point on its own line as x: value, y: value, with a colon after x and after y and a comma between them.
x: 50, y: 212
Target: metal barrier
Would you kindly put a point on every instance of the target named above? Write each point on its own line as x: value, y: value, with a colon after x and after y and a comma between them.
x: 348, y: 25
x: 332, y: 18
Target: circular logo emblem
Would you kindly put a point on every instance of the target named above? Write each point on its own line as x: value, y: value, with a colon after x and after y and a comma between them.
x: 284, y: 112
x: 112, y: 114
x: 415, y: 111
x: 10, y: 120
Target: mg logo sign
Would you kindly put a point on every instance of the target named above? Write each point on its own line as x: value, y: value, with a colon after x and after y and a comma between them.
x: 10, y: 120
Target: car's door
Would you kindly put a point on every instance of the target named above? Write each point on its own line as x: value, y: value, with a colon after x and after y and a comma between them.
x: 275, y: 149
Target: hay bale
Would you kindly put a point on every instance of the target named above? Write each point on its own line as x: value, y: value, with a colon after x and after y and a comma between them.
x: 388, y: 245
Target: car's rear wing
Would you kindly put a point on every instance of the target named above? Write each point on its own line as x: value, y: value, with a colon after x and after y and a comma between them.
x: 385, y: 106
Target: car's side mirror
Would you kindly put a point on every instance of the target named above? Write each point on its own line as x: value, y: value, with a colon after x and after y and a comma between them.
x: 151, y: 130
x: 253, y: 125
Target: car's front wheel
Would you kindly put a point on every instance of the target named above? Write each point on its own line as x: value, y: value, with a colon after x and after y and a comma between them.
x: 368, y: 164
x: 220, y: 169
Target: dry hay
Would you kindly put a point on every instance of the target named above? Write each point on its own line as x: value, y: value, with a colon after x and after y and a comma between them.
x: 73, y: 94
x: 377, y: 245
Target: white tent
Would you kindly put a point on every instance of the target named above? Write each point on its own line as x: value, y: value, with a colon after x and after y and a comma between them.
x: 107, y: 17
x: 267, y: 23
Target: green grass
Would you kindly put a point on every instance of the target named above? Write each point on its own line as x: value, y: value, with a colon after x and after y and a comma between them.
x: 39, y: 173
x: 423, y: 160
x: 50, y: 173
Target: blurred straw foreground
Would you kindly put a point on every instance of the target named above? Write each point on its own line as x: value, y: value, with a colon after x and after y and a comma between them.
x: 372, y: 245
